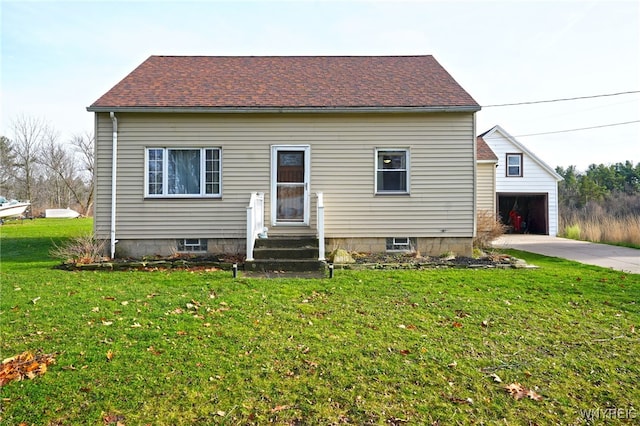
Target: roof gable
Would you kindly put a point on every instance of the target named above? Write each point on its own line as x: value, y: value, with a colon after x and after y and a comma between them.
x: 484, y: 152
x: 497, y: 129
x: 259, y: 82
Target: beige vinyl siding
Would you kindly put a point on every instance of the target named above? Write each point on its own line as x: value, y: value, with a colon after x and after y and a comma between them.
x: 343, y: 146
x: 486, y: 186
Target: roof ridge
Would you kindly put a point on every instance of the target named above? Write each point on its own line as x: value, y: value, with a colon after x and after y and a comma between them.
x: 292, y: 56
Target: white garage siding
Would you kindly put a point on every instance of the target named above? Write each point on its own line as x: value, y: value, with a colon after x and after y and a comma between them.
x: 537, y: 176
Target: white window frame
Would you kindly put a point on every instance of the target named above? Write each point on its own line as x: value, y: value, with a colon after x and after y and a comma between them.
x: 520, y: 165
x: 190, y: 247
x: 165, y: 174
x: 401, y: 244
x: 407, y: 169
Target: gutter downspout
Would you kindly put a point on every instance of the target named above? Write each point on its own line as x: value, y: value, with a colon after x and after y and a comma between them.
x: 114, y: 165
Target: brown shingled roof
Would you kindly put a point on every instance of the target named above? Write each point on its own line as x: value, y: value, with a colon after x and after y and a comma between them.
x: 483, y: 151
x: 287, y: 82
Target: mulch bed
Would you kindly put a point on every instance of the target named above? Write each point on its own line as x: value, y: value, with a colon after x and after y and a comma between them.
x: 363, y: 261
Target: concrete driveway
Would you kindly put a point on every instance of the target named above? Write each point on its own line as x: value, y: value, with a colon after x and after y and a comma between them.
x: 614, y: 257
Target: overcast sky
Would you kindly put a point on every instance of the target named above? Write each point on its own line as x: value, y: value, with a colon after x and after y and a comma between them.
x: 59, y: 57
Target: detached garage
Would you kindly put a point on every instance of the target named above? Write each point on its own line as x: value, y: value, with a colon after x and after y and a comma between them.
x: 526, y: 187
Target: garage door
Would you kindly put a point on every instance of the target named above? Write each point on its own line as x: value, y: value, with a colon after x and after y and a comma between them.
x: 524, y: 213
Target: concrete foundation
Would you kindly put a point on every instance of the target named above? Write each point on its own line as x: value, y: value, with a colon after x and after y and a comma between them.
x: 427, y: 246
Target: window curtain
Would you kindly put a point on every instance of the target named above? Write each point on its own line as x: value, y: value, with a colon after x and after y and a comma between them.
x: 184, y: 172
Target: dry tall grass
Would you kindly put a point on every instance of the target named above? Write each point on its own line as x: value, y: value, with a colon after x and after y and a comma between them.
x: 488, y: 228
x: 603, y: 229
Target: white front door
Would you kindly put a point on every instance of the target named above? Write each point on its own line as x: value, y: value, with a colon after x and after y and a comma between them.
x: 290, y: 184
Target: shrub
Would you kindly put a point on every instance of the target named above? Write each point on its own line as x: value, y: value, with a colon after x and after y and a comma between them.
x: 572, y: 232
x: 488, y: 228
x: 83, y: 249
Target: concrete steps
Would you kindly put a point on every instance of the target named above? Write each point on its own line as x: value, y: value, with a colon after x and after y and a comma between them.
x: 290, y: 254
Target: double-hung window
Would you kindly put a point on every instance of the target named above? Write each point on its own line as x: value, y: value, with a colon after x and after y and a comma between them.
x: 392, y: 171
x: 183, y: 172
x: 514, y: 165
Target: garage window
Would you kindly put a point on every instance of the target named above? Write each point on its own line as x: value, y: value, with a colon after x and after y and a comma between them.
x: 514, y: 165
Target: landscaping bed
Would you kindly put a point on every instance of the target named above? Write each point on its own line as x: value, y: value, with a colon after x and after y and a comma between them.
x: 362, y: 261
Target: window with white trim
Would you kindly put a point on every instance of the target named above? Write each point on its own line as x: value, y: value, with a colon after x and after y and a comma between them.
x: 402, y: 244
x: 392, y: 171
x: 183, y: 172
x: 514, y: 165
x: 192, y: 245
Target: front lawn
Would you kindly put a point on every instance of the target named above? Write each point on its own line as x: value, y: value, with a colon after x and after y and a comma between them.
x: 366, y: 347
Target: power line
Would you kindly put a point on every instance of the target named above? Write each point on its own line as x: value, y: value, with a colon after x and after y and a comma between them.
x: 562, y: 99
x: 582, y: 128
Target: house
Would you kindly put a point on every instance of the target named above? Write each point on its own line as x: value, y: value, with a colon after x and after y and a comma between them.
x: 208, y: 154
x: 526, y: 189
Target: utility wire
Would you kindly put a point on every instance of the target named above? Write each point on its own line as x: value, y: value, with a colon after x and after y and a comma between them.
x: 575, y: 130
x: 562, y: 99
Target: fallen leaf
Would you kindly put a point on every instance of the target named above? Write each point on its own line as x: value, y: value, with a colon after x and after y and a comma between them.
x: 280, y: 408
x: 110, y: 355
x: 110, y: 419
x: 181, y: 333
x: 153, y: 350
x: 517, y: 391
x: 405, y: 352
x: 496, y: 378
x: 453, y: 364
x: 24, y: 366
x: 35, y: 300
x: 533, y: 395
x: 221, y: 413
x: 107, y: 322
x: 632, y: 329
x: 456, y: 324
x: 485, y: 323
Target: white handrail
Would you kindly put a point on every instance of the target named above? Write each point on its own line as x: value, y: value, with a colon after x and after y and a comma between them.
x: 255, y: 221
x: 320, y: 217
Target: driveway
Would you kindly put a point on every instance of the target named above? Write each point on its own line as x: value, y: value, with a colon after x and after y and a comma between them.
x: 614, y: 257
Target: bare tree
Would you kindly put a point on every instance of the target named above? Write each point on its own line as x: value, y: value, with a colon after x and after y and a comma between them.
x: 28, y: 138
x: 7, y: 167
x: 58, y: 175
x: 84, y: 146
x: 68, y: 175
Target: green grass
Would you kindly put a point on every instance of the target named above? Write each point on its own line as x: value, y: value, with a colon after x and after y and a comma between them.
x: 367, y: 347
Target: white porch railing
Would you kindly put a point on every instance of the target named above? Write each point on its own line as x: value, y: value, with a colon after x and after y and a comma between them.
x: 320, y: 217
x: 255, y: 221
